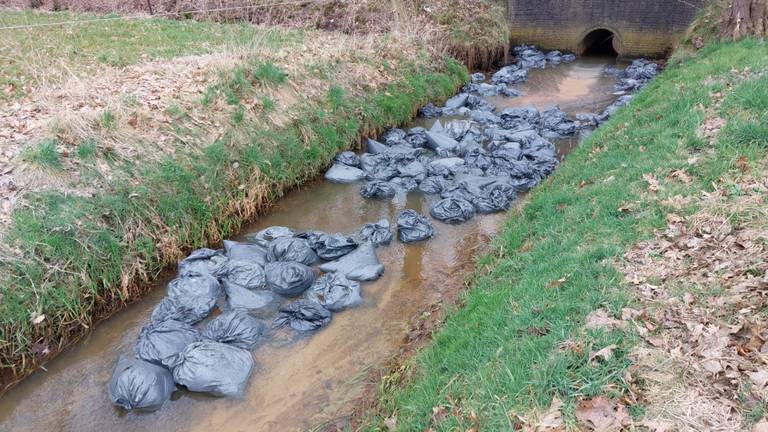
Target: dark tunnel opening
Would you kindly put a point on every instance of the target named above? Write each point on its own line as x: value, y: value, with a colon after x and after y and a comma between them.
x: 600, y: 42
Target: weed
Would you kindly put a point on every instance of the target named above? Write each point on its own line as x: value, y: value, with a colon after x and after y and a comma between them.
x: 269, y: 74
x: 87, y: 149
x: 107, y: 120
x: 268, y: 104
x: 44, y: 153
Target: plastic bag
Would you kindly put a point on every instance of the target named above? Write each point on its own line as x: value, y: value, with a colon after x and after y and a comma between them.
x: 362, y: 264
x: 289, y: 279
x: 260, y: 303
x: 248, y: 252
x: 204, y: 261
x: 340, y: 173
x: 194, y: 285
x: 212, y: 367
x: 235, y: 328
x: 335, y: 292
x: 263, y: 237
x: 291, y: 249
x: 333, y: 246
x: 413, y: 227
x: 377, y: 233
x: 348, y: 158
x: 377, y: 189
x: 190, y: 310
x: 303, y: 315
x: 452, y: 210
x: 137, y: 384
x: 159, y: 341
x: 245, y: 274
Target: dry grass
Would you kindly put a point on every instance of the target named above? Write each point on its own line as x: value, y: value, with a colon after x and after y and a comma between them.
x: 701, y: 284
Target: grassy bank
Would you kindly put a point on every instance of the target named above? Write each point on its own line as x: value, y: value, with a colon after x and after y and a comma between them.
x: 522, y: 338
x: 176, y: 153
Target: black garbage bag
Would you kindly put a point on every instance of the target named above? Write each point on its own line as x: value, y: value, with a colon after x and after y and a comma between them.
x: 289, y: 279
x: 314, y: 237
x: 413, y: 227
x: 374, y: 147
x: 430, y: 111
x: 246, y: 274
x: 445, y: 166
x: 263, y: 237
x: 204, y: 261
x: 190, y: 310
x: 212, y: 367
x: 235, y: 328
x: 259, y: 303
x: 333, y: 246
x: 360, y: 265
x: 348, y: 158
x: 478, y: 158
x: 340, y: 173
x: 477, y: 103
x: 303, y: 315
x: 377, y: 233
x: 478, y: 77
x: 457, y: 101
x: 394, y: 136
x: 407, y: 184
x: 434, y: 185
x: 335, y: 292
x: 417, y: 137
x: 415, y: 170
x: 452, y: 210
x: 159, y: 341
x: 194, y: 285
x: 248, y: 252
x: 495, y: 198
x: 439, y: 141
x: 139, y: 385
x: 291, y: 249
x: 377, y: 189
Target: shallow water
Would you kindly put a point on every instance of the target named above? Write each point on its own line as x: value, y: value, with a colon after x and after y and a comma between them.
x: 298, y: 382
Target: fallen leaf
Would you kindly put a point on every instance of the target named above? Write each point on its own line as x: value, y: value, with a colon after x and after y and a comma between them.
x: 653, y: 183
x: 656, y: 425
x: 553, y: 419
x: 438, y: 414
x: 601, y: 414
x: 760, y: 378
x: 599, y: 319
x: 605, y: 354
x: 391, y: 423
x: 761, y: 426
x: 559, y: 282
x: 37, y: 319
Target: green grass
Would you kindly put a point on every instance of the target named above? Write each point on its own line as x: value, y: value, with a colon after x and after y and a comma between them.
x: 44, y: 154
x: 87, y: 46
x: 492, y: 357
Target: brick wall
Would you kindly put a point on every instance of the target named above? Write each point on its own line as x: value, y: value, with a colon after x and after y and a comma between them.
x: 642, y: 27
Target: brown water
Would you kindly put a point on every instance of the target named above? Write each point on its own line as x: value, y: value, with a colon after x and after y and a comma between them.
x: 298, y: 382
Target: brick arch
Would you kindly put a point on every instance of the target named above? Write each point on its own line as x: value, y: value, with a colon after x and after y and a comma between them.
x: 585, y: 42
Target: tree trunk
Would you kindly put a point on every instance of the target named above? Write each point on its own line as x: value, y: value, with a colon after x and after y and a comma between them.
x: 747, y: 18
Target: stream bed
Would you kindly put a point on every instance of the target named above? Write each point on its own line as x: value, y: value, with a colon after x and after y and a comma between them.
x: 300, y: 381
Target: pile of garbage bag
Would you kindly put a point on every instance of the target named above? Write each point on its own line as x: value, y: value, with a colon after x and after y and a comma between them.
x: 279, y: 279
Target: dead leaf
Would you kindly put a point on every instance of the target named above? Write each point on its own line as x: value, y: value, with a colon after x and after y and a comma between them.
x: 599, y: 319
x: 438, y: 414
x: 391, y: 423
x: 761, y: 426
x: 653, y: 183
x: 656, y: 425
x: 36, y: 319
x: 602, y: 415
x: 604, y: 354
x: 553, y: 419
x: 681, y: 175
x: 559, y: 282
x: 760, y: 378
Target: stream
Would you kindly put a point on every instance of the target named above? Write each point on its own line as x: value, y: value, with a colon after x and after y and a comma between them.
x: 299, y: 382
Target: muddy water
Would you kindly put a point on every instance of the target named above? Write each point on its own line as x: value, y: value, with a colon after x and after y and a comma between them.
x: 299, y: 382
